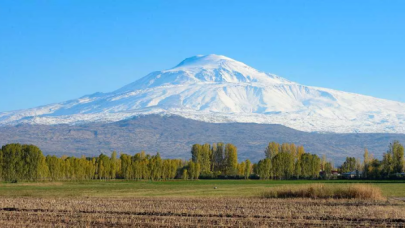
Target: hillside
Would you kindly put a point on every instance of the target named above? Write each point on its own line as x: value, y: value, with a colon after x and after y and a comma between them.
x: 173, y: 136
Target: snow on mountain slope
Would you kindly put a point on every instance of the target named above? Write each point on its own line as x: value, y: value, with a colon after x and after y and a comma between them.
x: 218, y: 89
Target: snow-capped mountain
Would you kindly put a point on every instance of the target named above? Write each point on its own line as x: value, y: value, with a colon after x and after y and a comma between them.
x: 218, y: 89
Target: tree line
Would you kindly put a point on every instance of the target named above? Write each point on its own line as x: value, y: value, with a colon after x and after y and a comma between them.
x: 26, y: 162
x: 392, y: 164
x: 219, y: 160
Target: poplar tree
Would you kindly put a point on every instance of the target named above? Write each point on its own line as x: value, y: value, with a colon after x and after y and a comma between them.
x: 315, y: 165
x: 1, y: 165
x: 218, y: 158
x: 327, y: 170
x: 202, y: 154
x: 241, y: 169
x: 11, y: 161
x: 114, y: 165
x: 264, y: 168
x: 349, y: 165
x: 297, y: 168
x: 388, y: 164
x: 248, y: 168
x: 397, y: 152
x: 283, y: 165
x: 272, y: 150
x: 231, y: 159
x: 323, y: 162
x: 285, y: 148
x: 194, y: 170
x: 55, y: 167
x: 300, y: 151
x: 196, y: 153
x: 126, y: 166
x: 366, y: 163
x: 205, y: 162
x: 376, y: 169
x: 185, y: 174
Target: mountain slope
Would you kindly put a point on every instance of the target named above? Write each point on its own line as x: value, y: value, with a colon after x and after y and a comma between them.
x: 173, y: 136
x: 218, y: 89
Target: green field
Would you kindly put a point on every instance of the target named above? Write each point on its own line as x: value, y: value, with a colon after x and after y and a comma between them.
x: 120, y: 188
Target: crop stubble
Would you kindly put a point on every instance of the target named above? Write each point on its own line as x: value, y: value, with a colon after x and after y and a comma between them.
x: 197, y: 212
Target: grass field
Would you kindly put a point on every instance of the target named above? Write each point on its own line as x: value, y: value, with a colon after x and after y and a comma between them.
x: 235, y: 203
x: 200, y: 188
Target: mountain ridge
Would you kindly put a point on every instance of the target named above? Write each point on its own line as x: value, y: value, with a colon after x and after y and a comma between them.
x: 172, y: 136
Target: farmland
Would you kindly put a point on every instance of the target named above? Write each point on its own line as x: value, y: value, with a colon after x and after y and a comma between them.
x: 169, y: 211
x: 189, y: 203
x: 176, y: 188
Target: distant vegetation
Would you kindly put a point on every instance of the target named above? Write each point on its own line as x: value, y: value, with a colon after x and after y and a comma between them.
x: 282, y: 161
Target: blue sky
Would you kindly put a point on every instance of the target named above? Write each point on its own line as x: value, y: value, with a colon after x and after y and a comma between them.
x: 52, y: 51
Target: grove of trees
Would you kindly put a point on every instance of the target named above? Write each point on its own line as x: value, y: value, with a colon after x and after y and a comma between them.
x: 281, y: 161
x: 288, y: 161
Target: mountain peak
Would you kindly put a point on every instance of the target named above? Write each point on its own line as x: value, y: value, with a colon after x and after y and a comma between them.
x: 209, y: 62
x: 206, y: 61
x: 205, y: 69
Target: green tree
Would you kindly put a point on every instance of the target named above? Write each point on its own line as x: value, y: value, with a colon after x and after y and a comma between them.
x: 12, y: 159
x: 248, y: 168
x: 114, y: 165
x: 196, y: 153
x: 202, y: 154
x: 231, y: 160
x: 218, y: 157
x: 349, y: 165
x: 316, y: 166
x: 271, y: 150
x: 375, y: 169
x: 126, y: 166
x: 54, y: 166
x: 297, y: 168
x: 397, y: 152
x: 327, y: 172
x: 283, y: 165
x: 264, y: 168
x: 388, y: 164
x: 310, y: 165
x: 185, y: 174
x: 155, y: 167
x: 193, y: 170
x: 366, y: 163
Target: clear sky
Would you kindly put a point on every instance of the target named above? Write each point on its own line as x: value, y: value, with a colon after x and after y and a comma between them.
x: 52, y: 51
